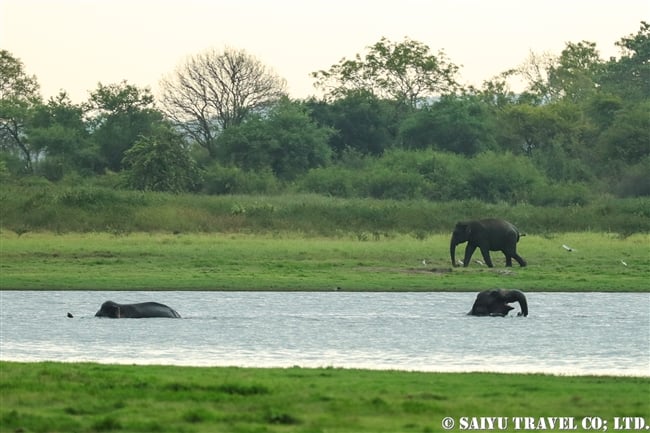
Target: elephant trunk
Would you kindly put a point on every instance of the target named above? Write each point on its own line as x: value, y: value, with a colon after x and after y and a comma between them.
x: 517, y: 295
x: 452, y: 251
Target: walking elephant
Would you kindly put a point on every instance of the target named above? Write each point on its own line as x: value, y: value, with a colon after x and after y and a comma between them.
x: 487, y: 235
x: 135, y: 311
x: 495, y: 302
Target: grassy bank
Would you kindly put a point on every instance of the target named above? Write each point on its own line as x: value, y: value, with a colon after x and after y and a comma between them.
x: 49, y: 397
x: 58, y: 208
x: 293, y: 262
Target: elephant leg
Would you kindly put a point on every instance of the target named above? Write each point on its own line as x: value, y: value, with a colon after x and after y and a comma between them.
x: 519, y: 260
x: 469, y: 250
x: 511, y: 253
x: 486, y: 256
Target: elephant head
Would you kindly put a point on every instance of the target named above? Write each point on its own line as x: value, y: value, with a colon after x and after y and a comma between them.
x: 495, y: 302
x: 461, y: 234
x: 109, y: 309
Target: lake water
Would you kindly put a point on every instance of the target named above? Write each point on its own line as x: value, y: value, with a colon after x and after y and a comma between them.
x: 565, y: 333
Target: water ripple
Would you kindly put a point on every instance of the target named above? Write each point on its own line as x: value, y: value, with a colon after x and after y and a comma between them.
x: 565, y: 333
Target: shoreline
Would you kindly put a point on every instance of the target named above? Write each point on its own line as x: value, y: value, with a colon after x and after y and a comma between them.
x: 597, y: 373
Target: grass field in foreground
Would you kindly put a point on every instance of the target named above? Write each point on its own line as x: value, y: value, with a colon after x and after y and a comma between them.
x: 289, y: 261
x: 57, y: 397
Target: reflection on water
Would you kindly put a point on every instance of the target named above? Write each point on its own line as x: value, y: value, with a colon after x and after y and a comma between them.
x: 565, y: 333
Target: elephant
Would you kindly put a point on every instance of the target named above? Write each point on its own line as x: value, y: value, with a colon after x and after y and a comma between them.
x: 495, y: 302
x: 135, y: 311
x: 488, y: 235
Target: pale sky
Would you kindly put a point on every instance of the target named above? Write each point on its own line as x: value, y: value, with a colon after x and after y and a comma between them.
x: 72, y: 45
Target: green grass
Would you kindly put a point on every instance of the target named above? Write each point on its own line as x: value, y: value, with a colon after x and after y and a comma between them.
x: 85, y: 208
x: 100, y: 239
x: 56, y: 397
x: 47, y: 261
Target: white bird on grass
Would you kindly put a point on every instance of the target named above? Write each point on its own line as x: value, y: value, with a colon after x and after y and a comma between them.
x: 568, y: 248
x: 623, y: 263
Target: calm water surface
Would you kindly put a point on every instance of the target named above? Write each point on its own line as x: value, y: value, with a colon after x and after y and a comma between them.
x: 565, y: 333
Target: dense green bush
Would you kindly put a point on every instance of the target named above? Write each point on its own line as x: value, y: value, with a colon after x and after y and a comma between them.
x: 459, y: 124
x: 52, y: 169
x: 446, y: 175
x: 333, y: 181
x: 4, y: 171
x: 561, y: 194
x: 219, y: 179
x: 285, y: 140
x: 635, y: 182
x: 409, y: 175
x: 559, y: 166
x: 87, y: 197
x: 383, y: 183
x: 160, y: 162
x: 62, y: 209
x: 502, y: 177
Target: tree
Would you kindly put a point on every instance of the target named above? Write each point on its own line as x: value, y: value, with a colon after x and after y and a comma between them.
x: 575, y: 73
x: 456, y: 124
x: 534, y: 72
x: 528, y: 128
x: 489, y: 181
x: 19, y: 94
x: 628, y: 75
x: 495, y: 92
x: 405, y: 71
x: 159, y: 162
x: 214, y: 90
x: 59, y: 131
x: 554, y: 136
x: 627, y: 140
x: 362, y: 122
x: 286, y: 140
x: 121, y: 114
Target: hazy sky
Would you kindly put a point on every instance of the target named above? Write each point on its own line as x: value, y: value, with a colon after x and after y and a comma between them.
x: 74, y: 44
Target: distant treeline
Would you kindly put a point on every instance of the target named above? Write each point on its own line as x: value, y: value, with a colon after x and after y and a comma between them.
x: 393, y: 123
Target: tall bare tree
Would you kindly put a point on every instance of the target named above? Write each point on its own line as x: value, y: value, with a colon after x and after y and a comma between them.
x: 214, y: 90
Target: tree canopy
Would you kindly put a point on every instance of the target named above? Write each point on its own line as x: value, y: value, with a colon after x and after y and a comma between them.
x: 285, y: 140
x: 392, y: 122
x: 120, y: 114
x: 404, y: 71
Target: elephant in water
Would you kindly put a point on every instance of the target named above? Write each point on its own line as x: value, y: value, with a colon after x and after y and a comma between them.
x: 495, y: 302
x: 135, y: 311
x: 487, y: 235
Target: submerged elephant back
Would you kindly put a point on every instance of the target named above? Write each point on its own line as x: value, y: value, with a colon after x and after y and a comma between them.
x: 153, y: 309
x: 136, y: 311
